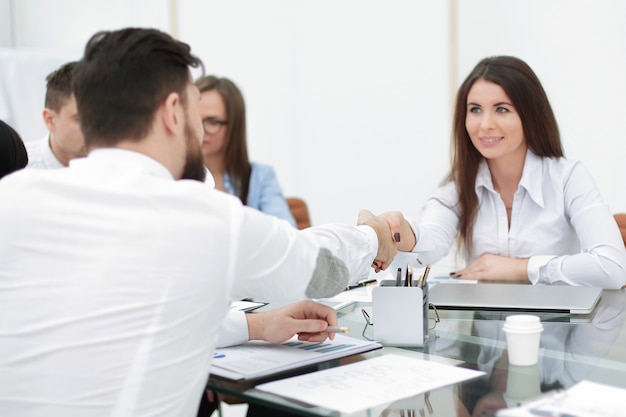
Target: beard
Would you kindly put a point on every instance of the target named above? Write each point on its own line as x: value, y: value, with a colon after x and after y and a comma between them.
x: 194, y: 164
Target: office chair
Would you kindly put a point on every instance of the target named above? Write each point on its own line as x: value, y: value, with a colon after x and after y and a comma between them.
x: 621, y: 223
x: 299, y: 211
x: 620, y: 219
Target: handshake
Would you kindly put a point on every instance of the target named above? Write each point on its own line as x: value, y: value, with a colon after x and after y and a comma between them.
x: 394, y: 234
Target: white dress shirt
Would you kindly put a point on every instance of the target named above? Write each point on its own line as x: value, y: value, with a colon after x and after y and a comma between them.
x: 558, y: 220
x: 40, y: 154
x: 115, y: 279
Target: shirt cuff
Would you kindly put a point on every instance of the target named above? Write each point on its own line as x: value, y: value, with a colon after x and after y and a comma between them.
x: 416, y: 231
x: 372, y: 238
x: 234, y: 330
x: 535, y: 263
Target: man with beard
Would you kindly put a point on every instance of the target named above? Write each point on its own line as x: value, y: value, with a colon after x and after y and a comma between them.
x: 116, y: 273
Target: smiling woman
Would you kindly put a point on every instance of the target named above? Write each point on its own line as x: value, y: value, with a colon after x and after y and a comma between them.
x: 522, y: 211
x: 490, y: 118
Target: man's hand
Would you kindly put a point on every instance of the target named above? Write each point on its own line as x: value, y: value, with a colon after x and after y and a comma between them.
x: 494, y: 268
x: 394, y: 233
x: 306, y: 318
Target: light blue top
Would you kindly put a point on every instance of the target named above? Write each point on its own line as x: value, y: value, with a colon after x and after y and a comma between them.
x: 264, y: 193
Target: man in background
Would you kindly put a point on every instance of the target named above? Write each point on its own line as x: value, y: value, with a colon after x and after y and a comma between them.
x: 64, y: 140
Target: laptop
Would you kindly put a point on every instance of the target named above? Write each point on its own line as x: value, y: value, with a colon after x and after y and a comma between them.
x: 515, y: 297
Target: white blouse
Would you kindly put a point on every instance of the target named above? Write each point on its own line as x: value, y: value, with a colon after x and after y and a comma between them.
x: 558, y: 220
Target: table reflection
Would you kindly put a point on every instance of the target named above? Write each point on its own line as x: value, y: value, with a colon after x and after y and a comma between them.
x: 569, y: 351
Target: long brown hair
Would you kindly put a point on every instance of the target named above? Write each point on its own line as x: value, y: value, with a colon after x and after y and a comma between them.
x: 540, y: 128
x: 236, y: 155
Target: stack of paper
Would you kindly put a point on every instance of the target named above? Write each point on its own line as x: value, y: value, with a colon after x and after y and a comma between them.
x: 257, y: 359
x: 585, y: 399
x: 369, y: 383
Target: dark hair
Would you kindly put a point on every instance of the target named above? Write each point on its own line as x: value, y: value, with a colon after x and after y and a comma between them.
x: 59, y: 86
x: 540, y: 128
x: 123, y: 77
x: 236, y: 154
x: 13, y: 154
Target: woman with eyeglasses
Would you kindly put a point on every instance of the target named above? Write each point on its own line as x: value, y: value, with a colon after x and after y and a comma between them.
x: 225, y: 151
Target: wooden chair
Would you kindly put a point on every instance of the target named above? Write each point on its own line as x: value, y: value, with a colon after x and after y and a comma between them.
x: 299, y: 211
x: 621, y: 223
x: 620, y: 219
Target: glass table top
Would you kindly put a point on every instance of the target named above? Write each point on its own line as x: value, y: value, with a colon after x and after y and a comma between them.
x: 573, y: 348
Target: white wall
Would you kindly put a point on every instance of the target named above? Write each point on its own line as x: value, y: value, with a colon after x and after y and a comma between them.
x: 68, y: 24
x: 349, y: 100
x: 6, y: 28
x: 46, y: 34
x: 578, y: 50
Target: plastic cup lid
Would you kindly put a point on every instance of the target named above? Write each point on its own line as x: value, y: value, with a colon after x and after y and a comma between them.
x: 509, y: 329
x: 522, y: 323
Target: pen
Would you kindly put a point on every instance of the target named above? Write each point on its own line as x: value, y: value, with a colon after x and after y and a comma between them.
x: 361, y: 284
x: 424, y: 277
x: 399, y: 277
x: 337, y: 329
x: 409, y: 276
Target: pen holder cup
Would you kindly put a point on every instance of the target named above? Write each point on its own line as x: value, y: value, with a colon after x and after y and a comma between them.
x: 400, y: 315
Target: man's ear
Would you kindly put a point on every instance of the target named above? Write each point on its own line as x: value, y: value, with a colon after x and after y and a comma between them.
x: 172, y: 115
x: 48, y: 118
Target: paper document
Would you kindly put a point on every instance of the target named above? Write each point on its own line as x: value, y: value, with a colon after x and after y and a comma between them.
x: 245, y: 305
x: 445, y: 278
x: 585, y: 399
x: 336, y: 304
x: 257, y: 359
x: 440, y: 272
x: 369, y: 383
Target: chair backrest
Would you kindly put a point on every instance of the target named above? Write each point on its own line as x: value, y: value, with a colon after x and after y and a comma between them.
x: 621, y: 222
x: 299, y: 211
x: 620, y: 219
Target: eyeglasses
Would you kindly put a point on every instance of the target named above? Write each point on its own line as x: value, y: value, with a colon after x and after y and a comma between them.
x: 212, y: 126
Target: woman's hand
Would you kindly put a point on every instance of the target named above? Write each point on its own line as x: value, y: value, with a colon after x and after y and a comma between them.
x: 492, y: 267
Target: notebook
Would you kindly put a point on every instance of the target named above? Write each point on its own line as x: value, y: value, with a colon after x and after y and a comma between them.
x: 256, y: 359
x: 515, y: 297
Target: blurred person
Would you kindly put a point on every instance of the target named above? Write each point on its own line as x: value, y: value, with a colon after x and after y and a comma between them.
x: 13, y: 154
x: 225, y: 151
x: 64, y: 140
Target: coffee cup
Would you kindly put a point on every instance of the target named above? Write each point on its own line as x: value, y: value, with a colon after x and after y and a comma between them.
x: 523, y: 333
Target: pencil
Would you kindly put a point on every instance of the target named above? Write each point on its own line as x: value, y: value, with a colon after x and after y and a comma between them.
x: 337, y: 329
x: 361, y: 284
